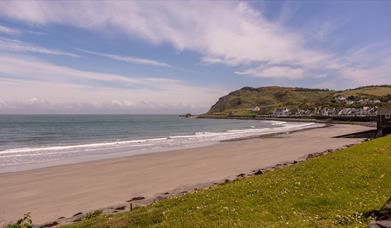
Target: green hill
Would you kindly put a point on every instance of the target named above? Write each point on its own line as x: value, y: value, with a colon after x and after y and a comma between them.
x: 267, y: 99
x: 377, y: 91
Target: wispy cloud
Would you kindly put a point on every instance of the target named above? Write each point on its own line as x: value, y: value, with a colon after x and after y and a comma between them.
x: 9, y: 30
x: 231, y: 33
x: 32, y: 84
x: 369, y: 64
x: 129, y: 59
x: 20, y: 46
x: 16, y: 31
x: 274, y: 72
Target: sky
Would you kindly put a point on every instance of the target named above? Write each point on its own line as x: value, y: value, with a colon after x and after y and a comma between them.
x: 169, y: 57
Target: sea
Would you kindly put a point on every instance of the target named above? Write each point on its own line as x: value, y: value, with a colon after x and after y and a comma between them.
x: 36, y: 141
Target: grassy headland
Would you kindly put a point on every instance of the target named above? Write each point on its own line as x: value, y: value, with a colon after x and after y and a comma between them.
x: 331, y: 190
x: 264, y: 100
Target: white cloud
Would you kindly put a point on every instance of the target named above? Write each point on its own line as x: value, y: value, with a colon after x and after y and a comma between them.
x: 274, y: 72
x: 41, y: 70
x: 229, y: 32
x: 30, y: 85
x: 20, y: 46
x: 15, y: 31
x: 129, y: 59
x: 9, y: 30
x: 367, y: 65
x: 368, y: 75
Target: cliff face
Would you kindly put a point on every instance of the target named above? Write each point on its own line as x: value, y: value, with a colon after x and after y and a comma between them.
x: 264, y: 100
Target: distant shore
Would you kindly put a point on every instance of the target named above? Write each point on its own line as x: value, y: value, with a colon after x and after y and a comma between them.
x: 62, y: 191
x: 369, y: 123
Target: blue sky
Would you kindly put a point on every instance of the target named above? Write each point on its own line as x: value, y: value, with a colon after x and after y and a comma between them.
x: 181, y: 56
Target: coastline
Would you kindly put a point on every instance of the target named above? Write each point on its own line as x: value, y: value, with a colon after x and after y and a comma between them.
x: 21, y: 159
x: 290, y: 119
x: 98, y: 184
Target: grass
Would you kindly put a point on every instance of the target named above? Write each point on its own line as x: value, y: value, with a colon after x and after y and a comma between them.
x: 369, y: 90
x: 333, y: 190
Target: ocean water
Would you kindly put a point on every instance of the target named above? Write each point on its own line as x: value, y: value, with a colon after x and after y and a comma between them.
x: 34, y: 141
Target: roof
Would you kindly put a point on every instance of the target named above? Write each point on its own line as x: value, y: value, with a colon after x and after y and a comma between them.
x: 384, y: 111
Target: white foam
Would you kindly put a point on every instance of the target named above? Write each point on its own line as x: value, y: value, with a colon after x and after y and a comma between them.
x: 208, y: 136
x: 274, y: 122
x: 61, y: 154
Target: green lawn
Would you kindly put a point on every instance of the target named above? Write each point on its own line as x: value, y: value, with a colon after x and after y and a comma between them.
x: 332, y: 190
x: 369, y: 90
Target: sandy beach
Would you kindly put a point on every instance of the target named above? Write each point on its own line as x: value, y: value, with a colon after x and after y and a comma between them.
x: 53, y: 192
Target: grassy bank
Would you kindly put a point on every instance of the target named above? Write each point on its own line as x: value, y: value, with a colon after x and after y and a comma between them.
x: 331, y: 190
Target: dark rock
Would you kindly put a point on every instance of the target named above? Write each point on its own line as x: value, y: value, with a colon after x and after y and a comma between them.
x: 380, y: 224
x: 62, y: 217
x: 258, y: 172
x: 136, y: 198
x: 120, y: 208
x: 384, y: 223
x: 385, y: 212
x: 166, y: 193
x: 49, y: 224
x: 157, y: 198
x: 373, y: 225
x: 241, y: 175
x: 187, y: 115
x: 382, y: 216
x: 387, y: 205
x: 77, y: 214
x: 314, y: 155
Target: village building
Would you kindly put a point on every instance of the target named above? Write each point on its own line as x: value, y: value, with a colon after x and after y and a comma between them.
x: 340, y: 98
x: 281, y: 112
x: 255, y: 109
x: 384, y: 121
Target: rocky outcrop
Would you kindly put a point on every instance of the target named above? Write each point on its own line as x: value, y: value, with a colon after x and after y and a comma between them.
x: 383, y: 217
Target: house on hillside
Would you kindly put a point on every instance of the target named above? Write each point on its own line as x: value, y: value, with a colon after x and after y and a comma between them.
x: 255, y: 109
x: 384, y: 121
x: 281, y: 112
x: 340, y: 98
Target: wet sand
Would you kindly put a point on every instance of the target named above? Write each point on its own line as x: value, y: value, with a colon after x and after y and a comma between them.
x: 53, y: 192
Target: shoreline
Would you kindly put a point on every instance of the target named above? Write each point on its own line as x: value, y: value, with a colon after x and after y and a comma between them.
x: 101, y: 184
x: 290, y: 119
x: 124, y: 152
